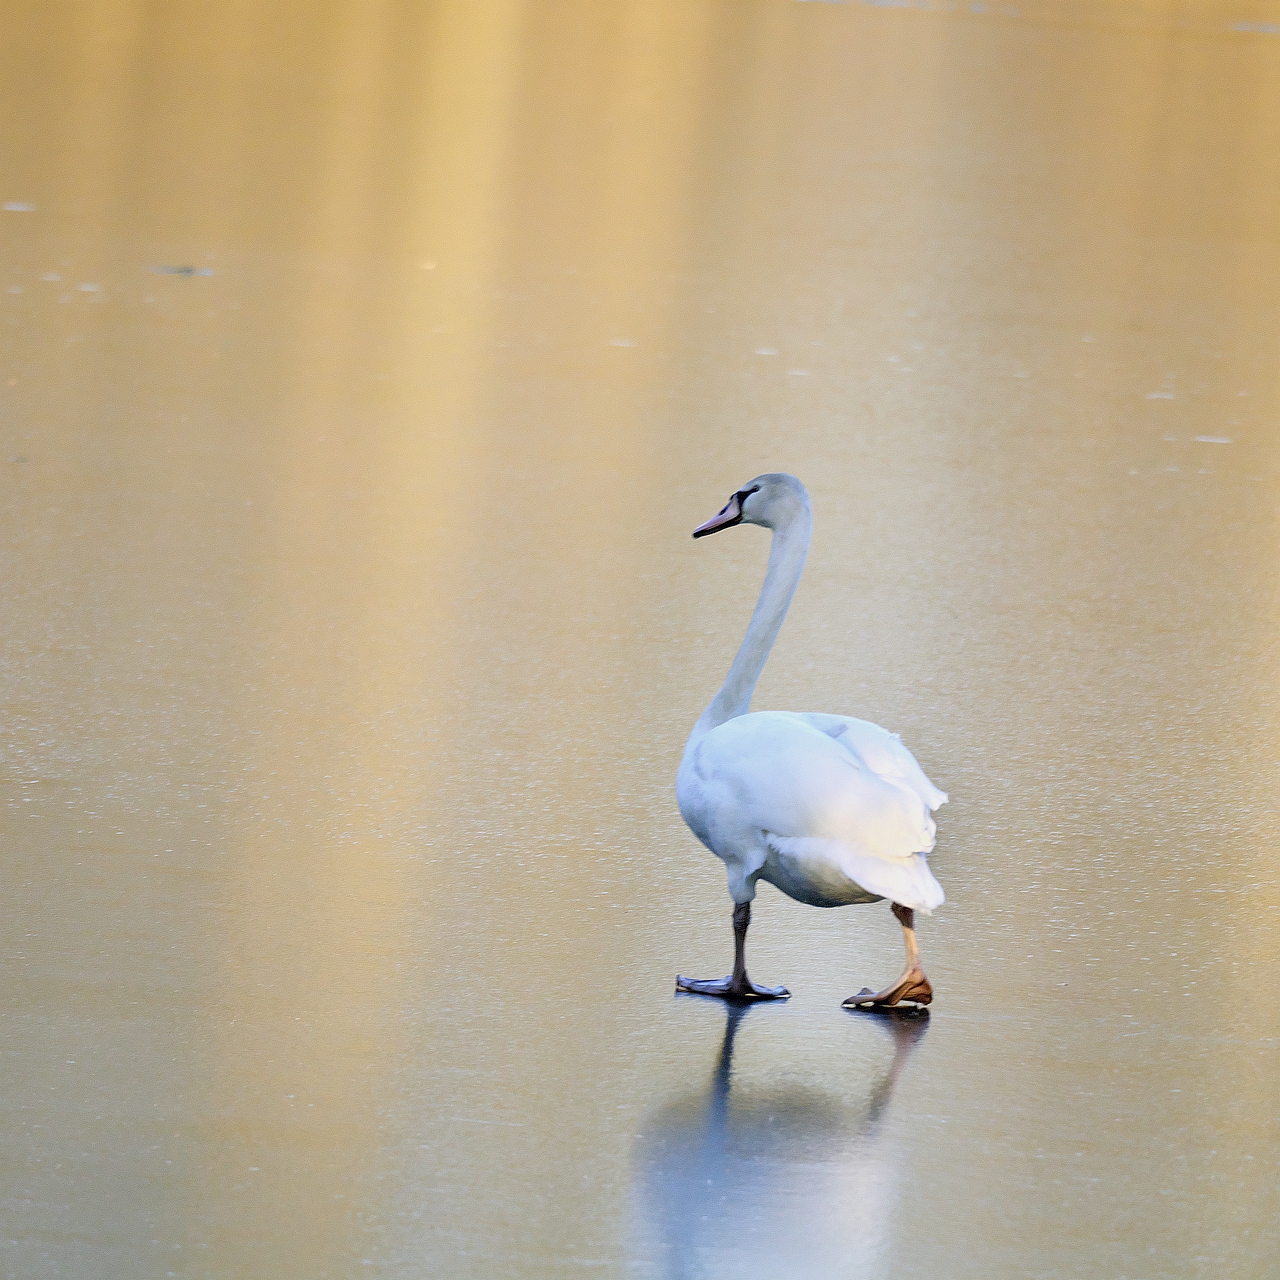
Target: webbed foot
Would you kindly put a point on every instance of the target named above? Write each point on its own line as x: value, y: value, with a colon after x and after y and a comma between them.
x: 912, y: 986
x: 730, y: 988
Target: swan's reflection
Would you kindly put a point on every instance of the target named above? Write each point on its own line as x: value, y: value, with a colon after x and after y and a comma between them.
x: 792, y: 1182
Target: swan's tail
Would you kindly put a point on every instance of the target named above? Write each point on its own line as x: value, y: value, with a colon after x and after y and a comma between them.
x: 906, y: 881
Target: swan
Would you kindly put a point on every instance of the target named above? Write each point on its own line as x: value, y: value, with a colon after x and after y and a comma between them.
x: 829, y: 809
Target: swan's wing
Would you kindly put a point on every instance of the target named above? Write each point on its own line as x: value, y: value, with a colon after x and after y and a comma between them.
x: 878, y: 750
x: 776, y: 772
x: 774, y: 780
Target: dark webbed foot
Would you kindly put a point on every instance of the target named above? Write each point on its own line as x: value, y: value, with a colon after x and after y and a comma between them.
x: 737, y: 986
x: 730, y: 988
x: 913, y: 986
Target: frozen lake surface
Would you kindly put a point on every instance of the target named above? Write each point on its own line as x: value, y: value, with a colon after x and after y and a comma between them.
x: 363, y: 371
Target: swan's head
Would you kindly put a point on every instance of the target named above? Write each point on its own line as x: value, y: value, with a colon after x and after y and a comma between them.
x: 770, y: 500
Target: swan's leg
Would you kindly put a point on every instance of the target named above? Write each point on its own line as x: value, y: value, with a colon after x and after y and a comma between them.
x: 737, y: 986
x: 913, y: 985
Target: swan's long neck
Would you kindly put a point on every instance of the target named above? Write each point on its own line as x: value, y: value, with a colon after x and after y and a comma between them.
x: 786, y: 564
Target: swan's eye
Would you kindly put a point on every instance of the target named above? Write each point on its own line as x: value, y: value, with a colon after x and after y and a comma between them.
x: 743, y: 494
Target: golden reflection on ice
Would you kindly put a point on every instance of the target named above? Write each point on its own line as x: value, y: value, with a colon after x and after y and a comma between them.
x: 355, y: 629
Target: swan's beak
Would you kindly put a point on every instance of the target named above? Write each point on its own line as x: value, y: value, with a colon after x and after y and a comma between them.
x: 726, y: 518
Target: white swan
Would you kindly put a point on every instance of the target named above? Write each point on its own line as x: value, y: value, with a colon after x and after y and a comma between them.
x: 829, y: 809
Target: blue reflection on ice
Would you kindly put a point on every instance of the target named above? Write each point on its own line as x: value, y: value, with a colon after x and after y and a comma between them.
x: 791, y: 1181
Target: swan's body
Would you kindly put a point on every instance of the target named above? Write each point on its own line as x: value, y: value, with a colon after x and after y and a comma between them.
x: 829, y: 809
